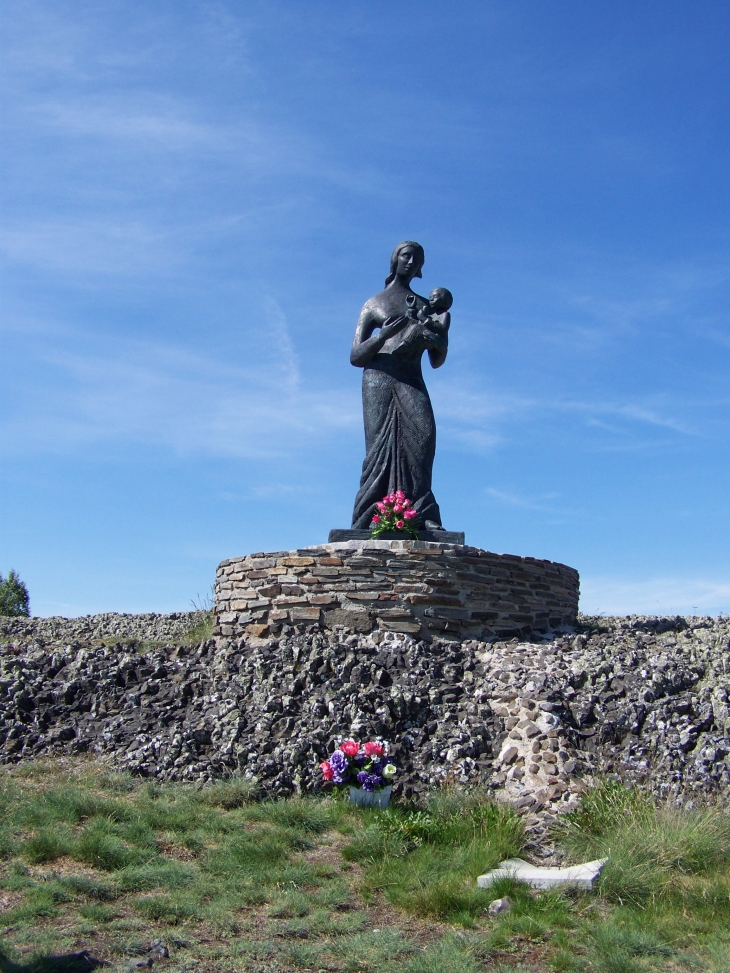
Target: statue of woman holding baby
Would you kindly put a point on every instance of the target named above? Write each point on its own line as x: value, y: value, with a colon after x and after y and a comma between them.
x: 395, y: 327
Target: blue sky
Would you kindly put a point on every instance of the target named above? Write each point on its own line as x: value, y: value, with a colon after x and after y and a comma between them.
x: 197, y: 197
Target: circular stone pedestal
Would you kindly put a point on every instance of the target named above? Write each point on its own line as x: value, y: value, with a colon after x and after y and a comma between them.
x: 424, y: 589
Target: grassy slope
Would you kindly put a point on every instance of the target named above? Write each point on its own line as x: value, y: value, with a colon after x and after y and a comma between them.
x: 96, y: 860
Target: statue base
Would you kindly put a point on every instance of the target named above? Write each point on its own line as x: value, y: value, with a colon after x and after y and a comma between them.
x: 420, y: 588
x: 436, y: 536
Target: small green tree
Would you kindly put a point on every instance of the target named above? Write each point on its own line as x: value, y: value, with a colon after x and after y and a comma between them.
x: 14, y: 598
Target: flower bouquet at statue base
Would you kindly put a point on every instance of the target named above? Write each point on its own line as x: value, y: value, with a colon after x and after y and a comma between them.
x: 395, y: 518
x: 364, y: 770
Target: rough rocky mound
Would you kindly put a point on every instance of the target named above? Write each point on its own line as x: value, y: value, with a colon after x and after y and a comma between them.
x: 89, y: 629
x: 643, y: 698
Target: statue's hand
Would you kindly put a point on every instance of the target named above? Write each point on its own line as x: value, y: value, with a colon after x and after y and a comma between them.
x: 432, y: 340
x: 409, y: 338
x: 392, y: 326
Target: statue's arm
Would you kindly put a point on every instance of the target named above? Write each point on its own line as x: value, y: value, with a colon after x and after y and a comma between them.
x: 366, y: 345
x: 438, y: 346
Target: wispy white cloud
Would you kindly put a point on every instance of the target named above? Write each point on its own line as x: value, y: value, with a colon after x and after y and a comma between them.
x: 653, y: 418
x: 612, y: 316
x: 472, y: 418
x: 544, y: 502
x: 654, y: 596
x: 633, y: 415
x: 132, y: 120
x: 482, y: 420
x: 278, y: 334
x: 117, y: 173
x: 97, y: 392
x: 153, y: 130
x: 605, y: 302
x: 86, y: 247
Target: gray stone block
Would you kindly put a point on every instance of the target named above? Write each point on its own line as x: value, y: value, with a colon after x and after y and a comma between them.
x: 355, y: 621
x: 438, y: 536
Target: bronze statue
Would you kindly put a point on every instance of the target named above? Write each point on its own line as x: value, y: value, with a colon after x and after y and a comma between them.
x: 395, y: 327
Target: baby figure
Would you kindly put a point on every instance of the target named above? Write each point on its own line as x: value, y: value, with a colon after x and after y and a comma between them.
x: 436, y: 312
x: 433, y: 317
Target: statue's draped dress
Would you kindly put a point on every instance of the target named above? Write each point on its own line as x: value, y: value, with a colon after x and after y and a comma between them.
x: 400, y: 433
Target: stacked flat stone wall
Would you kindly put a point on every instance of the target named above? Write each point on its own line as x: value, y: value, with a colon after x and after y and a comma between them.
x: 419, y: 588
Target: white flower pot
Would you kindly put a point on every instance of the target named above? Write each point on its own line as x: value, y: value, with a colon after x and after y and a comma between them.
x: 378, y: 798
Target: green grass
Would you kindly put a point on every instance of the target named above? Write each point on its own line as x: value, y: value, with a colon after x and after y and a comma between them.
x: 427, y: 861
x: 667, y: 880
x: 98, y: 860
x: 201, y: 629
x: 656, y: 853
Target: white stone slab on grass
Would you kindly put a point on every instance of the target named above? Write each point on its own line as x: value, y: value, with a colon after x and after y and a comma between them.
x: 544, y: 877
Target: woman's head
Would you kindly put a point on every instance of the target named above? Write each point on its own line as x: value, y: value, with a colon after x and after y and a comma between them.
x: 401, y: 253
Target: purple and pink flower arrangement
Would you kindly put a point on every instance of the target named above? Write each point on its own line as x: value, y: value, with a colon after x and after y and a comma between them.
x: 395, y: 512
x: 363, y: 766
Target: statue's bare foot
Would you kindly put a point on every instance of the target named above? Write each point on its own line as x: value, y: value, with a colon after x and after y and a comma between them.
x: 432, y: 525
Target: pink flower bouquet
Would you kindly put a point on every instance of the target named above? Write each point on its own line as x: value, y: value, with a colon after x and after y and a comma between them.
x: 365, y: 766
x: 394, y: 513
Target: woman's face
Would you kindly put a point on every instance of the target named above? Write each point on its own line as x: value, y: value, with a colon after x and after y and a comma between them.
x: 409, y: 263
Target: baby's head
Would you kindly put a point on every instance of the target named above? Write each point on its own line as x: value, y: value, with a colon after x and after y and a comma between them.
x: 440, y: 299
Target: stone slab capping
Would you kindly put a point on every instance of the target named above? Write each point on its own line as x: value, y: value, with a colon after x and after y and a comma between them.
x: 424, y: 589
